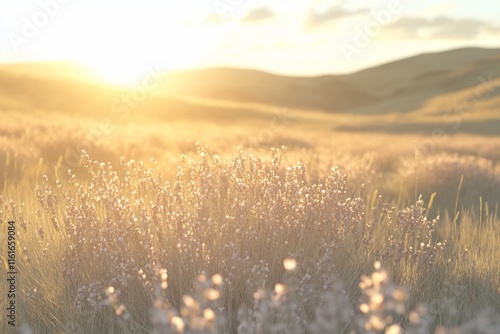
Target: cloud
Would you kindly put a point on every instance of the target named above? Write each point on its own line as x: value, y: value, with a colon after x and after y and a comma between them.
x: 255, y: 15
x: 315, y: 19
x: 442, y: 27
x: 259, y: 14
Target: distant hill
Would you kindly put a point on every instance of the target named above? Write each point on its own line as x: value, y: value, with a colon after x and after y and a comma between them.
x: 407, y: 84
x: 397, y: 86
x: 73, y: 90
x: 329, y: 93
x: 411, y: 94
x: 52, y: 70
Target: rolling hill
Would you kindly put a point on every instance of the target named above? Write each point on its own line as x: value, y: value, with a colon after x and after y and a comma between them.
x: 394, y: 87
x: 412, y: 94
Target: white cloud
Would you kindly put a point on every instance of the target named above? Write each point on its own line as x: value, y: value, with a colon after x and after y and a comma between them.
x: 442, y: 27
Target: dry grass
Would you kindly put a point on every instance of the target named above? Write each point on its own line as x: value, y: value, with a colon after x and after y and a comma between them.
x: 334, y: 202
x: 240, y: 218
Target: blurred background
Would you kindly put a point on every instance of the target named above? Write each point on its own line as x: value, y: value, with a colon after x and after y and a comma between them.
x: 387, y: 90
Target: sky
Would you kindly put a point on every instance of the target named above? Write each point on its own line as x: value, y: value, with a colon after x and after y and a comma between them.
x: 294, y: 37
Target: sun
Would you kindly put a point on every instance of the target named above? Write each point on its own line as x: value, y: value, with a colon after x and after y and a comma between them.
x: 125, y: 66
x: 120, y: 42
x: 116, y: 73
x: 162, y: 40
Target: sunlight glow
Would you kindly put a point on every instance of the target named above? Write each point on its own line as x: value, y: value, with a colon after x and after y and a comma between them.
x: 164, y: 42
x: 124, y: 40
x: 119, y: 39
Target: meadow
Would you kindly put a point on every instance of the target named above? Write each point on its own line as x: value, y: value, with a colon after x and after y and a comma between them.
x: 184, y: 216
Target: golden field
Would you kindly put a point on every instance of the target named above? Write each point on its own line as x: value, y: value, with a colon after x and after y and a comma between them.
x: 233, y: 173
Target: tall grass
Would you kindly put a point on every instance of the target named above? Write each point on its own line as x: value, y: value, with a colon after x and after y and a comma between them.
x: 116, y: 249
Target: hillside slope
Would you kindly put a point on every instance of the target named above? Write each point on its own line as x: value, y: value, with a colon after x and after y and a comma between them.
x: 399, y: 86
x: 410, y: 95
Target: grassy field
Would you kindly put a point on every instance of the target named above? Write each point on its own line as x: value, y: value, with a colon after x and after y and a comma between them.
x: 221, y: 216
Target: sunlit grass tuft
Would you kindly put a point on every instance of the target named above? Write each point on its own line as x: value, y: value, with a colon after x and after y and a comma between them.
x: 284, y: 250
